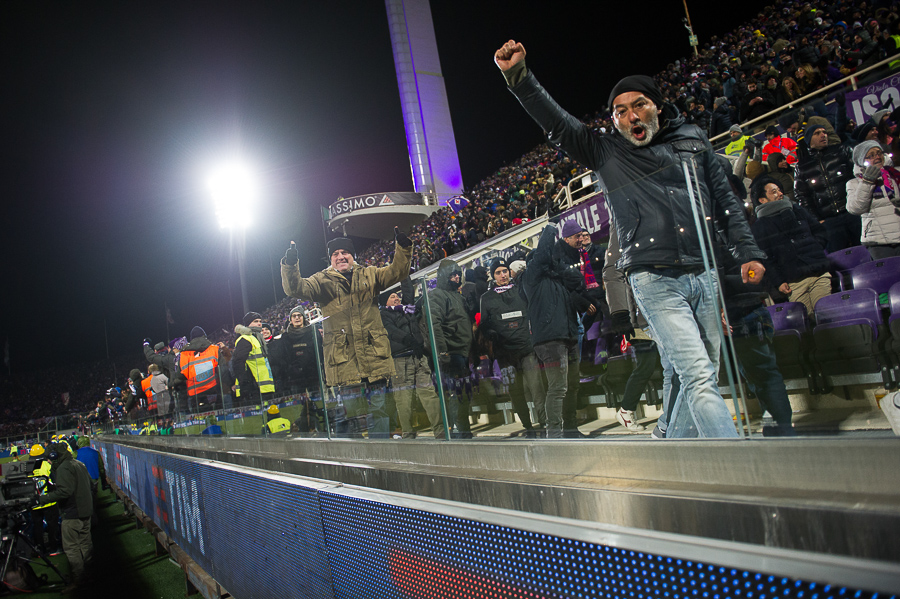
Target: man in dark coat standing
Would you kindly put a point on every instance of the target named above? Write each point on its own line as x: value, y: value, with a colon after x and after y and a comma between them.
x: 554, y: 330
x: 505, y: 323
x: 646, y: 166
x: 72, y: 492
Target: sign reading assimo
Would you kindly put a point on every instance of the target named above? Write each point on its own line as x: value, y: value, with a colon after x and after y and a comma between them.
x: 374, y: 200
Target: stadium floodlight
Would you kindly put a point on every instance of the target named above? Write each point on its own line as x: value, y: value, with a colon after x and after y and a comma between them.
x: 234, y: 192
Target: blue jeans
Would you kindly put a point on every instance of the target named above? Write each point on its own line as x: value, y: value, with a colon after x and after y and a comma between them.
x: 680, y: 307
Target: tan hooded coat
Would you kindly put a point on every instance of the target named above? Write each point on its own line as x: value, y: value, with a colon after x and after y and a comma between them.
x: 356, y: 344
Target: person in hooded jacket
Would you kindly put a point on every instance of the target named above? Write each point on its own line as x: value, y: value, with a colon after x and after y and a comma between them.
x: 250, y: 362
x: 451, y: 326
x: 505, y: 323
x: 400, y: 316
x: 874, y: 194
x: 356, y: 346
x: 794, y: 242
x: 71, y: 491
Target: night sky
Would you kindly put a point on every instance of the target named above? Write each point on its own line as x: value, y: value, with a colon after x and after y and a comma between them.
x: 114, y: 113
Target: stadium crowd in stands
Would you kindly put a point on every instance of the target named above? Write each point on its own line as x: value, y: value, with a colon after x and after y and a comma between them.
x: 788, y: 50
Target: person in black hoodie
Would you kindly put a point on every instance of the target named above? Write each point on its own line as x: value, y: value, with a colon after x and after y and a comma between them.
x: 504, y: 322
x: 400, y: 317
x: 451, y: 324
x: 794, y: 242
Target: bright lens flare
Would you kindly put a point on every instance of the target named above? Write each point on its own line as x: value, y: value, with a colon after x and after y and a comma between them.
x: 234, y: 192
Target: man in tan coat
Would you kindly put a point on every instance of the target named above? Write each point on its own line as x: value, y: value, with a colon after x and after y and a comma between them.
x: 357, y: 350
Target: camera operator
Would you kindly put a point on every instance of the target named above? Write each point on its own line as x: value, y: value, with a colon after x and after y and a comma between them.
x: 72, y: 492
x: 48, y: 512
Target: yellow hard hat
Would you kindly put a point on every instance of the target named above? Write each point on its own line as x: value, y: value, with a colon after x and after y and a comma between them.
x: 37, y: 450
x: 146, y: 424
x: 273, y: 409
x: 54, y: 437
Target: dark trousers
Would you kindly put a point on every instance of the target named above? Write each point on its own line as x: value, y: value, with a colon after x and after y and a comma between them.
x: 842, y: 231
x: 50, y: 515
x: 753, y: 341
x: 646, y: 359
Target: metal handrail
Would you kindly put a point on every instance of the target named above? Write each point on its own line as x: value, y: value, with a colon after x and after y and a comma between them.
x: 569, y: 193
x: 852, y: 79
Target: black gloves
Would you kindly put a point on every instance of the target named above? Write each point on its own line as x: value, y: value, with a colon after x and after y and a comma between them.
x: 148, y: 341
x: 292, y: 256
x: 618, y: 323
x: 401, y: 238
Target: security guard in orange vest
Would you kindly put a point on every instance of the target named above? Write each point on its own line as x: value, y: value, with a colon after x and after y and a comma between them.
x: 276, y: 425
x: 44, y: 513
x: 148, y: 390
x: 199, y: 365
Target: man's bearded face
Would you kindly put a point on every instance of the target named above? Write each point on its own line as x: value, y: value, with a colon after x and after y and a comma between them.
x: 636, y: 117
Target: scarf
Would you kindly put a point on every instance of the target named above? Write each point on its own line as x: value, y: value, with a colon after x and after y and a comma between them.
x: 402, y: 308
x: 590, y: 280
x: 770, y: 208
x: 503, y: 288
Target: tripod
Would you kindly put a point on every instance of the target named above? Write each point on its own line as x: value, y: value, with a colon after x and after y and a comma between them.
x: 8, y: 546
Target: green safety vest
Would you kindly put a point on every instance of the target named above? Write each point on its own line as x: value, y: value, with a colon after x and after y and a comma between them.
x: 896, y: 62
x: 279, y: 425
x: 736, y: 147
x: 258, y: 365
x: 44, y: 473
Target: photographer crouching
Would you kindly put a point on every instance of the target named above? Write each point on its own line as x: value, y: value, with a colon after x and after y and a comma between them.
x: 71, y: 490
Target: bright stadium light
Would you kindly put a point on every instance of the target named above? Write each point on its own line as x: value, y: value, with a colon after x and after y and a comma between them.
x: 234, y: 192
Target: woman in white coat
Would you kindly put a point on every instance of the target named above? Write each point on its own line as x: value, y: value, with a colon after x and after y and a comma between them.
x: 874, y: 194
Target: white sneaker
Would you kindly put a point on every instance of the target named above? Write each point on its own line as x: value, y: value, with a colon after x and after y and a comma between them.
x: 626, y: 419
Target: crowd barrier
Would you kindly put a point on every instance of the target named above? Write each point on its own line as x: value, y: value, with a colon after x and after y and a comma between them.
x: 263, y: 534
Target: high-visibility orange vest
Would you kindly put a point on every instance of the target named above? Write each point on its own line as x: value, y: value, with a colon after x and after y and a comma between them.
x: 151, y: 398
x: 199, y: 368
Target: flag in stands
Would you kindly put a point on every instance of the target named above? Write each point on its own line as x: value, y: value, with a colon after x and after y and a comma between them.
x: 457, y: 203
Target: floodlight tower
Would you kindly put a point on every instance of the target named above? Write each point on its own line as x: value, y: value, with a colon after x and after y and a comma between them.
x: 234, y: 192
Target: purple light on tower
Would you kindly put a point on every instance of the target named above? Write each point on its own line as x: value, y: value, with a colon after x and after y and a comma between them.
x: 423, y: 99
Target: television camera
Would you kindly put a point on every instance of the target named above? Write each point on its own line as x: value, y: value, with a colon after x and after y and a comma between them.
x: 18, y: 491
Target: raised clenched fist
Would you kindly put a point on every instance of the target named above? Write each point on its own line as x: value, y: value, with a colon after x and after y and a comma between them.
x: 510, y: 54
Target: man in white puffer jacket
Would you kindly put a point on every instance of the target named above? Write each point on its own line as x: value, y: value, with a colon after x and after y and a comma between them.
x: 874, y: 194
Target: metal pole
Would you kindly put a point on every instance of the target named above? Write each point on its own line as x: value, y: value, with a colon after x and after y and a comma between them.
x: 241, y: 251
x: 690, y: 27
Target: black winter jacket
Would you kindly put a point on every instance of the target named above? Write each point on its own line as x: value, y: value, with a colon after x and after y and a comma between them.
x: 450, y: 313
x: 547, y: 287
x: 820, y: 182
x: 794, y: 242
x: 504, y: 322
x: 645, y: 187
x: 292, y: 355
x: 404, y: 331
x: 166, y: 361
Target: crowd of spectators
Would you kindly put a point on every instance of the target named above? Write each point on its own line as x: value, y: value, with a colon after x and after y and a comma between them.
x: 788, y: 50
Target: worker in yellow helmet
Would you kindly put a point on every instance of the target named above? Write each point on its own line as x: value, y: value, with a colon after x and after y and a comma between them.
x: 48, y: 513
x: 276, y: 424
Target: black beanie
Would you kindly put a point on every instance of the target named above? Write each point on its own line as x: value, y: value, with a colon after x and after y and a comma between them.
x: 250, y: 317
x: 497, y: 263
x: 812, y: 129
x: 197, y: 332
x: 159, y: 346
x: 340, y: 243
x: 637, y: 83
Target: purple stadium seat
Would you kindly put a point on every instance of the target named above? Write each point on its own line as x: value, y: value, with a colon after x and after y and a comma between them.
x: 847, y: 335
x: 789, y: 316
x: 878, y: 275
x: 843, y: 260
x: 894, y: 295
x: 793, y: 343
